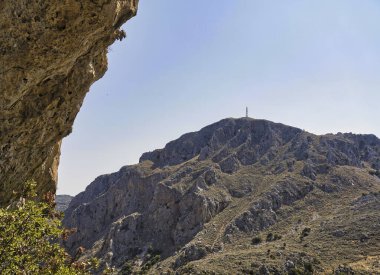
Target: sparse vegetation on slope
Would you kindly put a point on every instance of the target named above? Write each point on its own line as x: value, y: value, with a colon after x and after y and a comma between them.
x: 241, y: 196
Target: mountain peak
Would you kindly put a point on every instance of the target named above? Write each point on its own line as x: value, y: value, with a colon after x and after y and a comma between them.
x: 245, y: 141
x: 241, y: 134
x: 210, y: 192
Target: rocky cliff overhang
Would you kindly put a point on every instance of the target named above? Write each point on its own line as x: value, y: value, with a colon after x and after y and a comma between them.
x: 50, y: 54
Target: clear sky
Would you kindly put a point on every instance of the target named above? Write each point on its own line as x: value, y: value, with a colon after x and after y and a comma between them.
x: 313, y: 64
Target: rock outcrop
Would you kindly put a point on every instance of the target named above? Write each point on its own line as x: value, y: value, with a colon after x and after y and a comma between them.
x: 141, y: 209
x: 63, y: 202
x: 50, y: 54
x: 209, y: 192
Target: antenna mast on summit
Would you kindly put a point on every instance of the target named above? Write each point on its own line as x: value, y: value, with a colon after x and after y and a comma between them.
x: 246, y: 112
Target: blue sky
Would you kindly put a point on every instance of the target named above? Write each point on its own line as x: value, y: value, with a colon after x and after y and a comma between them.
x: 313, y: 64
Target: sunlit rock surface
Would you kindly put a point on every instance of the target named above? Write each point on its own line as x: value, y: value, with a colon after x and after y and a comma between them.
x: 199, y: 201
x: 50, y: 54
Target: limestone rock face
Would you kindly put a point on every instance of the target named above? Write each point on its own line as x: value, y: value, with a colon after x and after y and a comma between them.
x: 140, y: 209
x: 50, y: 54
x: 209, y: 192
x: 62, y: 202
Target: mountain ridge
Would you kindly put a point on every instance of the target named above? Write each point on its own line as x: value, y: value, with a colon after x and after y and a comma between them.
x: 252, y: 168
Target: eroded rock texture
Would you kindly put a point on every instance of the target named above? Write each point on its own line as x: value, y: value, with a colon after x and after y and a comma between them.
x: 50, y: 54
x: 200, y: 201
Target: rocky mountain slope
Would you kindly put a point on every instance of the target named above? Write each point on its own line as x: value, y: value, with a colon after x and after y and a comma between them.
x: 241, y: 196
x: 62, y: 202
x: 50, y: 54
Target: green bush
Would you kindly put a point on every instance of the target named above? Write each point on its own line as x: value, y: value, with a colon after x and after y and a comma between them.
x: 277, y: 237
x: 30, y: 233
x: 305, y: 232
x: 127, y: 269
x: 269, y: 237
x: 308, y: 268
x: 151, y: 262
x: 256, y: 240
